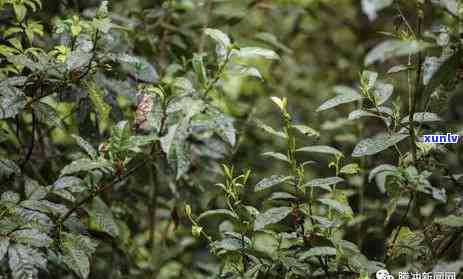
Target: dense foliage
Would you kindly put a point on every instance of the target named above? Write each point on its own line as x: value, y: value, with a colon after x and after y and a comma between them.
x: 229, y: 139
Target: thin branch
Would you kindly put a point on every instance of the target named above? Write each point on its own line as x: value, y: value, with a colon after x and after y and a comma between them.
x: 417, y: 93
x: 31, y: 145
x: 402, y: 221
x: 99, y: 190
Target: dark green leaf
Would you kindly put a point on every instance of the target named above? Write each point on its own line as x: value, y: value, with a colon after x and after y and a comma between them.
x: 393, y: 48
x: 270, y: 182
x: 12, y: 101
x: 84, y: 165
x: 101, y: 217
x: 344, y: 95
x: 322, y: 149
x: 377, y: 144
x: 318, y: 251
x: 271, y: 216
x: 324, y: 183
x: 217, y: 212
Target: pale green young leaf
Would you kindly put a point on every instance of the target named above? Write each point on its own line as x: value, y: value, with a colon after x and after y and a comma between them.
x: 350, y: 169
x: 96, y: 95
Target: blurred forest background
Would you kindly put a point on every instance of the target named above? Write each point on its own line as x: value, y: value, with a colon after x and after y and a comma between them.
x: 229, y: 138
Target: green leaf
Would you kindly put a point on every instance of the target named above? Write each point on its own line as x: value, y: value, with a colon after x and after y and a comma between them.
x: 139, y: 68
x: 380, y: 173
x: 10, y: 197
x: 85, y: 165
x: 271, y: 216
x: 33, y: 190
x: 372, y: 7
x: 76, y: 251
x: 276, y: 155
x: 339, y: 205
x: 4, y: 243
x: 174, y: 144
x: 218, y: 213
x: 85, y: 145
x: 445, y: 72
x: 101, y: 218
x: 322, y: 149
x: 138, y: 141
x: 20, y: 11
x: 96, y: 97
x: 256, y: 52
x: 120, y: 137
x: 430, y: 65
x: 271, y: 181
x: 382, y: 92
x: 306, y: 130
x: 344, y: 95
x: 25, y: 261
x: 451, y: 221
x: 450, y: 5
x: 32, y: 237
x: 77, y: 60
x: 12, y: 101
x: 324, y: 183
x: 393, y: 48
x: 397, y: 69
x: 230, y: 244
x: 47, y: 115
x: 270, y: 130
x: 282, y: 196
x: 8, y: 167
x: 200, y: 70
x: 102, y: 24
x: 223, y: 43
x: 350, y: 169
x: 370, y: 77
x: 422, y: 117
x: 318, y: 251
x: 219, y: 37
x: 377, y: 144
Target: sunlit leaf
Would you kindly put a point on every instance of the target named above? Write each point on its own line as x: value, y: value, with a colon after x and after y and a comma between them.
x: 377, y: 144
x: 271, y: 216
x: 344, y: 95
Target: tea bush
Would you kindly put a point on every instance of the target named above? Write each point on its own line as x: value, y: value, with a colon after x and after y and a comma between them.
x: 229, y: 139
